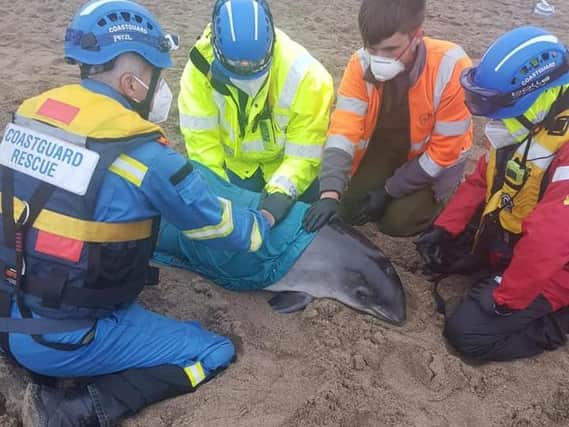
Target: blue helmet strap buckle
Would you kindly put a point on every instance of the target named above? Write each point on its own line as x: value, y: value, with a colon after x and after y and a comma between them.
x: 89, y: 42
x: 169, y: 43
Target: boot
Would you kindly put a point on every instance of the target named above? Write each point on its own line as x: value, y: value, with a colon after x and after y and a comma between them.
x: 56, y: 407
x: 106, y: 400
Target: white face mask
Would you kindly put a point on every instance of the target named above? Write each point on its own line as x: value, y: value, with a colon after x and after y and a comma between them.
x: 161, y: 103
x: 250, y: 87
x: 384, y: 69
x: 498, y: 134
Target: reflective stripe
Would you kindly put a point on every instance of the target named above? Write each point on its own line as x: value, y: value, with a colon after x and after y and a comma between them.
x: 230, y: 16
x: 220, y: 102
x: 198, y: 123
x: 228, y: 129
x: 281, y: 140
x: 362, y: 145
x: 429, y: 165
x: 418, y: 146
x: 285, y: 183
x: 365, y: 63
x: 561, y: 174
x: 256, y: 239
x: 364, y: 59
x: 456, y: 128
x: 50, y: 130
x: 540, y: 115
x: 129, y: 168
x: 522, y: 132
x: 195, y: 373
x: 538, y: 154
x: 303, y: 150
x: 446, y: 68
x: 222, y: 229
x: 90, y: 8
x: 252, y: 146
x: 294, y: 77
x: 352, y: 105
x: 86, y: 231
x: 546, y: 38
x: 282, y: 120
x: 340, y: 142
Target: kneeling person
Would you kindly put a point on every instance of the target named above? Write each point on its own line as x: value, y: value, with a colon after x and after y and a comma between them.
x: 255, y: 105
x: 76, y: 240
x: 516, y: 201
x: 400, y: 132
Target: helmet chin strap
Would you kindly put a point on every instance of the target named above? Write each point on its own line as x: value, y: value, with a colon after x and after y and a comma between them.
x: 143, y: 107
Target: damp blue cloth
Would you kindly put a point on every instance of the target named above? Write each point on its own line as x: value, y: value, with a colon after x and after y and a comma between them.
x: 239, y: 271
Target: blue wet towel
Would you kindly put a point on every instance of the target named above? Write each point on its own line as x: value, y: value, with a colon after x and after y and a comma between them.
x: 240, y: 271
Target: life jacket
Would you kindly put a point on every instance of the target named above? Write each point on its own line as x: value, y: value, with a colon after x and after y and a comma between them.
x: 54, y: 158
x: 517, y: 177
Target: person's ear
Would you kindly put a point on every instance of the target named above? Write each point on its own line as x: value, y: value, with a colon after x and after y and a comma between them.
x: 127, y: 85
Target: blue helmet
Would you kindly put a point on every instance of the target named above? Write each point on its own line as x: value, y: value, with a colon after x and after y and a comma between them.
x: 104, y: 29
x: 243, y: 38
x: 514, y: 71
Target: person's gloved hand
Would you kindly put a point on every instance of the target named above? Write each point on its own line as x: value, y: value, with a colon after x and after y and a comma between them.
x: 373, y: 206
x: 320, y: 214
x: 482, y: 292
x: 276, y: 204
x: 429, y: 245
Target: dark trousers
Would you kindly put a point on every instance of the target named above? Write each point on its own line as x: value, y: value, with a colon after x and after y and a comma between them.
x: 406, y: 216
x: 477, y: 332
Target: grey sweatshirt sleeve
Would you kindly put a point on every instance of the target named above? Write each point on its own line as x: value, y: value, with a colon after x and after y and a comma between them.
x: 411, y: 177
x: 408, y: 178
x: 336, y: 166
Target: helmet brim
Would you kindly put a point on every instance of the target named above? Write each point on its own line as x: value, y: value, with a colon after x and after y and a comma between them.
x: 218, y: 68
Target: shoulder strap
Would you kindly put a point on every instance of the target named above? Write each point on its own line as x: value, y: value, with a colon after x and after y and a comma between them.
x: 200, y: 62
x: 204, y: 67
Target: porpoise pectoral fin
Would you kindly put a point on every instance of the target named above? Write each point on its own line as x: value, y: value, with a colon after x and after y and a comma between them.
x: 290, y: 301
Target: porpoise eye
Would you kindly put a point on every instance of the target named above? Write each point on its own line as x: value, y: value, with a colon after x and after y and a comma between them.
x: 362, y: 295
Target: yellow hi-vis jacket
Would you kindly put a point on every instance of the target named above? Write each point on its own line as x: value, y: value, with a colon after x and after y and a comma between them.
x: 282, y: 130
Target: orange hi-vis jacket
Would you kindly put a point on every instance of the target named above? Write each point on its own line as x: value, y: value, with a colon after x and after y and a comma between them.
x: 440, y: 123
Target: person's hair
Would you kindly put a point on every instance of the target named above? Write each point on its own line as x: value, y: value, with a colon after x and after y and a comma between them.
x: 125, y: 63
x: 380, y: 19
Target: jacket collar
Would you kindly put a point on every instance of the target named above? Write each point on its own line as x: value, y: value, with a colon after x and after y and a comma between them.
x: 104, y: 89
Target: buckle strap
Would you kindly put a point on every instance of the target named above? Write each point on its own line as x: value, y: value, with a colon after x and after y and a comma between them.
x: 5, y: 306
x: 200, y: 62
x: 204, y: 67
x: 78, y: 229
x: 85, y: 297
x: 8, y: 206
